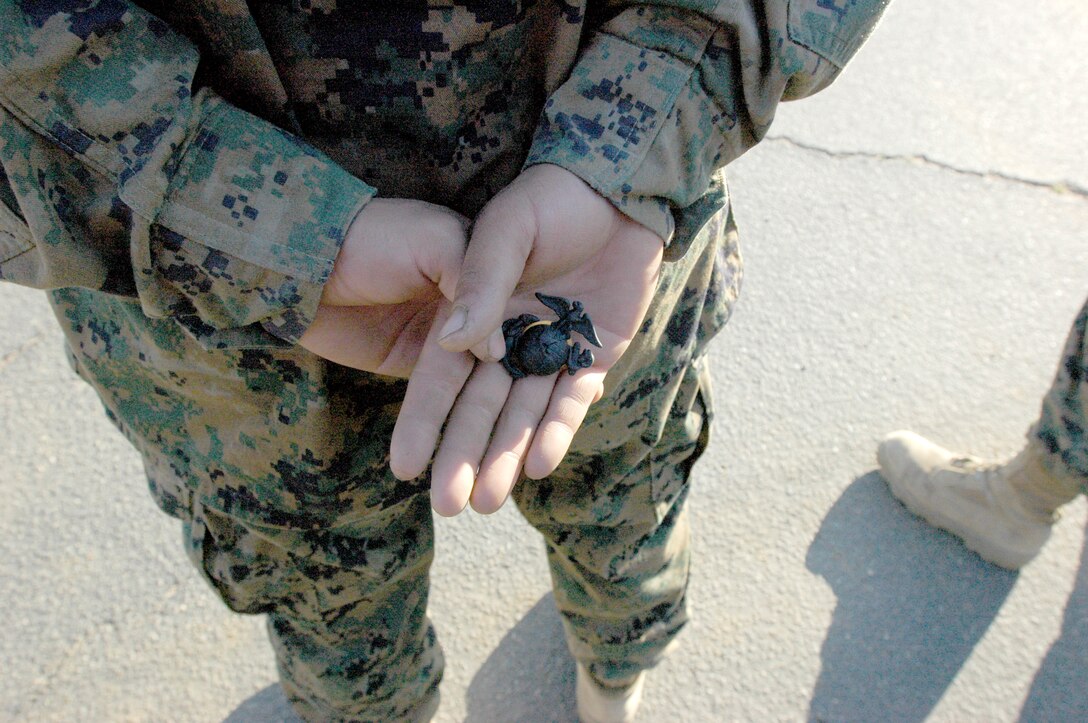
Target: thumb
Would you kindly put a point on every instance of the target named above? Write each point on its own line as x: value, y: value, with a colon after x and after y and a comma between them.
x: 395, y: 250
x: 502, y: 238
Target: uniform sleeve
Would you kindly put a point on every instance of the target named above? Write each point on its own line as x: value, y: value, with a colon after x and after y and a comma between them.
x: 116, y: 176
x: 666, y: 93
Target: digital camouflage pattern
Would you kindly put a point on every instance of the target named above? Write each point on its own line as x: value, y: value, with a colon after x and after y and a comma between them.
x: 131, y: 180
x: 181, y: 175
x: 346, y: 607
x: 1064, y: 417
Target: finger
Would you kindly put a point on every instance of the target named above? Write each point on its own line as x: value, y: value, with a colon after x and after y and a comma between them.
x: 432, y: 389
x: 501, y: 240
x: 416, y: 246
x: 599, y: 394
x: 510, y: 441
x: 384, y: 340
x: 465, y: 439
x: 491, y: 349
x: 325, y: 337
x: 566, y: 411
x: 440, y: 255
x: 404, y: 352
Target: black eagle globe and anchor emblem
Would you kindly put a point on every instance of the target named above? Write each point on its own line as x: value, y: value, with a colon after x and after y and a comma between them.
x: 540, y: 347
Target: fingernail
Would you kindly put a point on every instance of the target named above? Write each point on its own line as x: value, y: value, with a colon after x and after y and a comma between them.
x: 496, y: 345
x: 454, y: 323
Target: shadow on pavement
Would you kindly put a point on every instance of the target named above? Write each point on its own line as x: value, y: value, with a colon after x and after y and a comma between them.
x: 912, y: 604
x: 529, y: 677
x: 1060, y: 689
x: 268, y: 705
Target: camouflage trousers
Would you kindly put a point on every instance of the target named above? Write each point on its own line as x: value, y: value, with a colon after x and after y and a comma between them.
x: 1063, y: 420
x: 276, y: 463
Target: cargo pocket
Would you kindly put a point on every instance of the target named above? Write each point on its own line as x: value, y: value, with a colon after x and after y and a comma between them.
x: 231, y: 560
x: 310, y: 574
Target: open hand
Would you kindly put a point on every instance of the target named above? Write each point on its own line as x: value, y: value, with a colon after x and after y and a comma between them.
x: 398, y: 259
x: 549, y: 232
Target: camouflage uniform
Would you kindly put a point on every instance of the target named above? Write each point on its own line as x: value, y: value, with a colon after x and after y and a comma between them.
x: 186, y: 229
x: 1064, y: 417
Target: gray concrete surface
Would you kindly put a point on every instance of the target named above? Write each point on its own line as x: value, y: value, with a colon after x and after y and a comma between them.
x: 917, y: 245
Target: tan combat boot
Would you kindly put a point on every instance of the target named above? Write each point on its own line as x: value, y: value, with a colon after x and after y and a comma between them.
x: 1003, y: 512
x: 599, y: 703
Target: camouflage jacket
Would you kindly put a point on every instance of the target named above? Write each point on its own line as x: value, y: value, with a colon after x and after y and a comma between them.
x: 206, y: 156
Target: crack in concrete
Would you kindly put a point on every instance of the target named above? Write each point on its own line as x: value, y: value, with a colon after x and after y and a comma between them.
x: 1064, y: 187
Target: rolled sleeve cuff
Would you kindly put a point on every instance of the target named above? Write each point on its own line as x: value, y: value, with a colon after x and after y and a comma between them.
x: 601, y: 123
x: 249, y: 228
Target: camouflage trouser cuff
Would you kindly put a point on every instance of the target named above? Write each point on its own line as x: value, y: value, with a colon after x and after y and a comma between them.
x: 1059, y: 432
x: 1059, y: 463
x: 619, y: 665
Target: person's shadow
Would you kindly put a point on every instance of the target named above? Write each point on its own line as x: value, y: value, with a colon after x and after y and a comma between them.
x: 529, y: 677
x: 1059, y: 691
x: 911, y: 607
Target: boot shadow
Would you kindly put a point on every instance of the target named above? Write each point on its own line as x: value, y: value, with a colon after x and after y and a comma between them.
x: 912, y: 603
x: 268, y: 705
x: 529, y: 677
x: 1059, y: 691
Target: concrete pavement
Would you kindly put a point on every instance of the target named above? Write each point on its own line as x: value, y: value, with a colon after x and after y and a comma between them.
x: 916, y: 240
